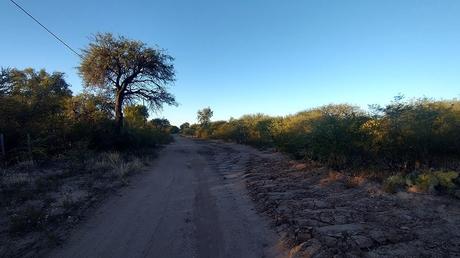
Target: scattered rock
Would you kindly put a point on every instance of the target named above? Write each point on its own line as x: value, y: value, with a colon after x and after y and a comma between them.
x: 329, y: 241
x: 311, y: 248
x: 348, y: 228
x: 321, y: 214
x: 362, y: 242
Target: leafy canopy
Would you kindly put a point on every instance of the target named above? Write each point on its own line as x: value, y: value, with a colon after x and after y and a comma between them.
x: 204, y: 116
x: 129, y: 68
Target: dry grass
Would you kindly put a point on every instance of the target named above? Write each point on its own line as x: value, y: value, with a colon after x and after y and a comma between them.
x: 17, y: 179
x: 116, y: 165
x: 38, y: 199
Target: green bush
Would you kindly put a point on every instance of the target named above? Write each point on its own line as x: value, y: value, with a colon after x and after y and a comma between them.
x: 39, y: 117
x: 423, y: 182
x: 402, y: 136
x: 446, y: 179
x: 394, y: 183
x: 426, y: 182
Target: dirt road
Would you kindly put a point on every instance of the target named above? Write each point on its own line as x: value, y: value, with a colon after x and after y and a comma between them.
x: 200, y: 200
x: 185, y: 206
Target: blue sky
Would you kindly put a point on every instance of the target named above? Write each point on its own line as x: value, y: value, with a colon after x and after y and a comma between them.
x: 274, y: 57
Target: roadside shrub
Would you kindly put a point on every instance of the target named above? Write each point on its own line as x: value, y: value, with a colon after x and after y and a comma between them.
x: 234, y: 130
x: 41, y: 119
x: 124, y: 169
x: 291, y: 134
x: 15, y: 181
x: 336, y: 138
x: 394, y: 183
x: 427, y: 181
x: 116, y: 165
x: 447, y: 179
x: 403, y: 136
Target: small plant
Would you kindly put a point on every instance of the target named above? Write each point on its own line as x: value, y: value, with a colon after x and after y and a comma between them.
x: 426, y: 182
x: 446, y: 179
x: 106, y: 163
x: 124, y: 169
x: 16, y: 180
x: 113, y: 158
x: 423, y: 182
x: 24, y: 165
x: 136, y: 164
x: 394, y: 183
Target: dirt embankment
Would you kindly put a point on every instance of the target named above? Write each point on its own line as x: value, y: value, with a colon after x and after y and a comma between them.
x: 321, y: 213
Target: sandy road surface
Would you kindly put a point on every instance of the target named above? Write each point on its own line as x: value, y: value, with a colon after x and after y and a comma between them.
x: 185, y: 206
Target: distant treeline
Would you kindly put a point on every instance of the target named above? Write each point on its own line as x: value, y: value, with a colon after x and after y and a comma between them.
x: 400, y: 136
x: 40, y: 117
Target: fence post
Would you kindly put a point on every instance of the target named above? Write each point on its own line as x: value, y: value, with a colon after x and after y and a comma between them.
x: 2, y: 145
x: 29, y: 147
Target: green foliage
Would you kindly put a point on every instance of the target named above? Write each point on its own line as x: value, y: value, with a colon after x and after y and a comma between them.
x: 40, y: 105
x: 33, y: 102
x: 421, y: 131
x: 128, y: 69
x: 394, y: 183
x: 184, y: 126
x: 402, y: 136
x: 423, y: 182
x: 426, y: 182
x: 160, y: 123
x: 174, y: 129
x: 204, y: 116
x: 136, y: 115
x: 446, y: 179
x: 335, y: 136
x: 190, y: 131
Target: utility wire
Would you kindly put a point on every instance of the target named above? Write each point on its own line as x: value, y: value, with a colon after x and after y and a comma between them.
x: 43, y: 26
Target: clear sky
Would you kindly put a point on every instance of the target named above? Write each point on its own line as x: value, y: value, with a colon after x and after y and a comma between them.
x: 248, y: 56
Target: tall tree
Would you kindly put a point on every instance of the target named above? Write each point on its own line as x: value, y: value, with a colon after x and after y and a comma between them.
x: 204, y: 116
x: 130, y: 70
x: 5, y: 81
x: 184, y: 126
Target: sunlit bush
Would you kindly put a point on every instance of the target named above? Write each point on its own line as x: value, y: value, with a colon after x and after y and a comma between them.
x: 426, y: 181
x: 401, y: 136
x: 394, y: 183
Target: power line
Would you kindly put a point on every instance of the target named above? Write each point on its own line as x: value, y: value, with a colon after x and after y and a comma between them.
x: 43, y: 26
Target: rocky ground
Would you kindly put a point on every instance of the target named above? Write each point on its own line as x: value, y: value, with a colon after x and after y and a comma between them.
x: 322, y: 213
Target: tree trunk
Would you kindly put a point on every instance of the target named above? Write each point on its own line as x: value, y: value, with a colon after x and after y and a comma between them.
x: 118, y: 112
